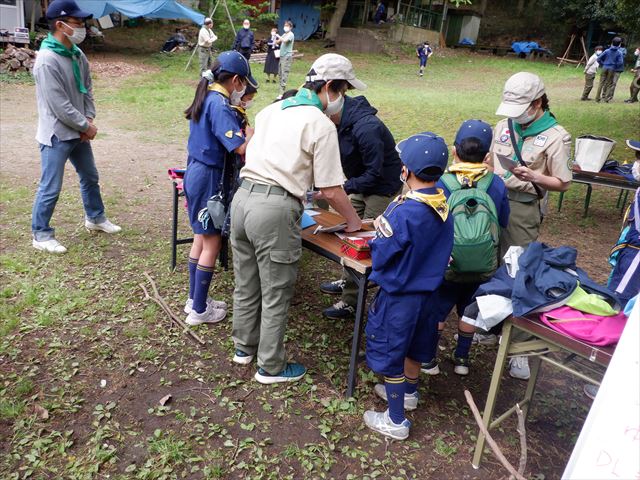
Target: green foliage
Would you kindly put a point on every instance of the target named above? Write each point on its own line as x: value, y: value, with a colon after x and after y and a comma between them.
x: 238, y: 11
x: 624, y: 13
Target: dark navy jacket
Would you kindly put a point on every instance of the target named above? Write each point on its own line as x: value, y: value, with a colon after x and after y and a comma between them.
x: 367, y: 150
x: 414, y: 254
x: 244, y: 39
x: 612, y: 59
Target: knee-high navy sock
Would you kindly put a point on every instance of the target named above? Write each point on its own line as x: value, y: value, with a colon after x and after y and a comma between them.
x: 410, y: 385
x: 201, y: 287
x: 193, y: 263
x: 464, y: 344
x: 395, y: 388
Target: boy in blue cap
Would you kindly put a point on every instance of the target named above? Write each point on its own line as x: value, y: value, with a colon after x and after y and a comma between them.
x: 470, y: 176
x: 410, y: 253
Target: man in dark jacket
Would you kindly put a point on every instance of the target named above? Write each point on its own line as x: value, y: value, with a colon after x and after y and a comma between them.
x: 612, y: 63
x: 372, y: 167
x: 244, y: 40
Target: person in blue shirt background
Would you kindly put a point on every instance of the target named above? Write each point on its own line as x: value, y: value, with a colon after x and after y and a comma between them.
x: 409, y: 255
x: 470, y: 152
x: 423, y: 51
x: 215, y: 137
x: 244, y: 40
x: 380, y: 15
x: 612, y: 63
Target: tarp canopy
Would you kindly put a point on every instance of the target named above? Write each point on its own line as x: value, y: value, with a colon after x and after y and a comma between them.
x: 305, y: 15
x: 141, y: 8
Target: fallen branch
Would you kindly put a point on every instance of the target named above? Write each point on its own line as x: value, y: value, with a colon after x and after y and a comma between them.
x: 523, y: 440
x: 492, y: 443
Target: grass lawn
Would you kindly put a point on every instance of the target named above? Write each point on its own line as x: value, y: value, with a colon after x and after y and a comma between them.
x: 85, y: 360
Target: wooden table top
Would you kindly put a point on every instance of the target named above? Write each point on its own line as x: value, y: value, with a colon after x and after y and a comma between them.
x: 600, y: 355
x: 328, y: 244
x: 604, y: 179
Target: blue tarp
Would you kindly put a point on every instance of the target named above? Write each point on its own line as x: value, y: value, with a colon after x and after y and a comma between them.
x: 525, y: 47
x: 305, y: 16
x: 141, y: 8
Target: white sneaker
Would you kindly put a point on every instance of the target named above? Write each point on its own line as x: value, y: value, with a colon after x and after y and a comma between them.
x: 488, y: 339
x: 242, y: 358
x: 381, y: 423
x: 51, y: 246
x: 210, y: 315
x: 410, y: 399
x: 188, y: 306
x: 430, y: 368
x: 106, y: 227
x: 519, y: 368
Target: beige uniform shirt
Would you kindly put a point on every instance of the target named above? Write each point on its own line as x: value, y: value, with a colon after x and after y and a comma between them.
x: 548, y: 153
x: 206, y: 37
x: 295, y: 148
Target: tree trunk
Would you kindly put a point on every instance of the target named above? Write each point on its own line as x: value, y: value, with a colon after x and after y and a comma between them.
x: 336, y: 19
x: 520, y: 7
x: 483, y: 6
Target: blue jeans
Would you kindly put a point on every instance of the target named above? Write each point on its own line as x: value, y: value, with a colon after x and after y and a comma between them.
x: 53, y: 160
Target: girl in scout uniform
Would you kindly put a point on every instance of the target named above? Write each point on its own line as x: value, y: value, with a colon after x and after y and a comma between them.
x: 215, y: 135
x: 545, y: 147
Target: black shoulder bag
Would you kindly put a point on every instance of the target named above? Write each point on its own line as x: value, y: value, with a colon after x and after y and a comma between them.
x: 516, y: 149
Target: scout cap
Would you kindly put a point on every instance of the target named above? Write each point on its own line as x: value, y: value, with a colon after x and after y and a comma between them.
x: 519, y: 91
x: 332, y: 66
x: 475, y: 129
x: 425, y: 155
x: 633, y: 145
x: 233, y: 62
x: 66, y: 8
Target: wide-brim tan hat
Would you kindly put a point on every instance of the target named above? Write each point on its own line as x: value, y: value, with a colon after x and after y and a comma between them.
x: 518, y: 93
x: 332, y: 66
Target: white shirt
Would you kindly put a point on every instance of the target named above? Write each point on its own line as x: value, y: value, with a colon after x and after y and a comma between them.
x: 206, y: 37
x: 592, y: 65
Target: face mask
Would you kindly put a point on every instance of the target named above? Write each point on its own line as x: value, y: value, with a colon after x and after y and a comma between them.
x: 637, y: 53
x: 525, y: 118
x: 287, y: 29
x: 246, y: 104
x: 333, y: 106
x: 78, y: 35
x: 246, y: 27
x: 403, y: 179
x: 236, y: 96
x: 598, y: 52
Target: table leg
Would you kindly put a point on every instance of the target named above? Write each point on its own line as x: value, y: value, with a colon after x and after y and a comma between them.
x: 361, y: 281
x: 534, y: 367
x: 587, y: 200
x: 624, y: 202
x: 560, y: 199
x: 174, y: 227
x: 494, y: 388
x: 619, y: 198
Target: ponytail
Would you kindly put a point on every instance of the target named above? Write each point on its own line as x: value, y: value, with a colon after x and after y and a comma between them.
x: 194, y: 110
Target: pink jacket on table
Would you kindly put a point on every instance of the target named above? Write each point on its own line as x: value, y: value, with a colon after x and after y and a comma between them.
x: 593, y: 329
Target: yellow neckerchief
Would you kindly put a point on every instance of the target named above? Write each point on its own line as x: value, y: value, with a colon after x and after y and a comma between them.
x: 216, y: 87
x: 437, y: 201
x: 468, y: 173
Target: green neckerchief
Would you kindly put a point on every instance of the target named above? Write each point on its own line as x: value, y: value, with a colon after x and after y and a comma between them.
x: 53, y: 44
x: 303, y: 97
x: 545, y: 122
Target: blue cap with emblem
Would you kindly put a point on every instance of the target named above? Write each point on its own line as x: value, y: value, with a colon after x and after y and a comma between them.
x: 425, y: 155
x: 475, y: 129
x: 65, y: 8
x: 233, y: 62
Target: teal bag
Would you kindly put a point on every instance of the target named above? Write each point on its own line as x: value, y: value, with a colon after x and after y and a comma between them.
x: 476, y: 230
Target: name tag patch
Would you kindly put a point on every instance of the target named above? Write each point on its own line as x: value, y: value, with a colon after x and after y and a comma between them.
x: 540, y: 140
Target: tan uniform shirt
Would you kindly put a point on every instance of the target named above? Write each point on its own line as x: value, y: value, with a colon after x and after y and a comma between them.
x: 206, y: 37
x: 548, y: 153
x: 295, y: 148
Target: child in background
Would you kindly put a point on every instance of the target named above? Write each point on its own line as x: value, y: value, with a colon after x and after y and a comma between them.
x: 409, y: 256
x: 590, y: 71
x: 423, y: 51
x: 470, y: 176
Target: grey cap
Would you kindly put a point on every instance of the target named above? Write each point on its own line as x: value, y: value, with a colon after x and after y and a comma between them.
x: 518, y: 93
x: 332, y: 66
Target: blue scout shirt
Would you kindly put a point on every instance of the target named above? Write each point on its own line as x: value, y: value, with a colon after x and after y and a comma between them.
x: 216, y: 133
x: 423, y: 51
x: 412, y: 248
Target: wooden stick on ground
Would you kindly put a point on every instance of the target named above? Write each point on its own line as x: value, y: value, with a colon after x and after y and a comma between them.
x: 523, y: 440
x: 492, y: 443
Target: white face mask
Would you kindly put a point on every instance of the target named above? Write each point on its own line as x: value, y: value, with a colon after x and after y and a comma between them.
x: 333, y: 106
x: 598, y: 52
x: 236, y: 96
x: 637, y: 53
x: 246, y: 26
x: 246, y: 104
x: 525, y: 118
x: 287, y: 29
x: 78, y: 35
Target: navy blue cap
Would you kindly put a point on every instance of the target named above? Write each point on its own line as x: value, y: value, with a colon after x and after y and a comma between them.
x: 634, y: 145
x: 424, y: 151
x: 233, y: 62
x: 475, y: 129
x: 66, y: 8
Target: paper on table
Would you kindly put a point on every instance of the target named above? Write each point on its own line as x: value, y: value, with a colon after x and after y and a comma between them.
x: 306, y: 221
x: 312, y: 213
x: 369, y: 234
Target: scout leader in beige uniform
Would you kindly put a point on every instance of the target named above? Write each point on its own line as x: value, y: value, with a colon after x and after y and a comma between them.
x: 295, y: 147
x: 206, y: 38
x: 545, y: 147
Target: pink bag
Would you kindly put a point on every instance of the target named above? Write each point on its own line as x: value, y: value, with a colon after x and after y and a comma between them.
x: 593, y: 329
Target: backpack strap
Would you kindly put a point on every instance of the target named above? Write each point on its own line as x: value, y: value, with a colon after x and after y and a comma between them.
x: 451, y: 182
x: 485, y: 182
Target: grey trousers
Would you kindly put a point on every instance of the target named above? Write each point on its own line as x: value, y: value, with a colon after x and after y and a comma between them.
x: 589, y: 79
x: 204, y: 55
x: 284, y: 67
x: 266, y: 244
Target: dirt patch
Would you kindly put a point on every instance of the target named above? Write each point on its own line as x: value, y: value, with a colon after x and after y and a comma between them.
x: 109, y: 66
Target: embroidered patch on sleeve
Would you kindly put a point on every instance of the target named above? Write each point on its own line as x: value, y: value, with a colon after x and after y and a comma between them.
x: 229, y: 134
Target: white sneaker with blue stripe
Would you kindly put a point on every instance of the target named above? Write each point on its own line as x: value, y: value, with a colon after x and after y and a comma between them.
x: 291, y: 373
x: 382, y: 423
x: 410, y: 399
x: 242, y: 358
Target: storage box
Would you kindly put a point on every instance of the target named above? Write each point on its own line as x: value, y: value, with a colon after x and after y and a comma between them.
x: 592, y: 151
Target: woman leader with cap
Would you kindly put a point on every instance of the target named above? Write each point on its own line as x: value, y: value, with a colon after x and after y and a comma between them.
x: 215, y: 136
x: 545, y: 148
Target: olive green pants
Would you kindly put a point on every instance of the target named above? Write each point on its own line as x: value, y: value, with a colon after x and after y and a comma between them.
x: 204, y: 55
x: 266, y: 243
x: 589, y: 79
x: 524, y: 225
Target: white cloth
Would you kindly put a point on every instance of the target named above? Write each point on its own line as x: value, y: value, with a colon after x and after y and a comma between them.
x: 511, y: 260
x: 492, y: 309
x: 592, y: 65
x: 635, y: 170
x: 206, y: 37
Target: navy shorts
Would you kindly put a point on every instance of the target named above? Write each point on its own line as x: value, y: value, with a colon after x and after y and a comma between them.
x: 201, y: 182
x: 423, y: 61
x: 453, y: 294
x: 399, y: 326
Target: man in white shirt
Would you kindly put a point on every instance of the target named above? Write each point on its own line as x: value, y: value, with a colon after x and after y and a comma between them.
x: 206, y: 37
x: 590, y: 70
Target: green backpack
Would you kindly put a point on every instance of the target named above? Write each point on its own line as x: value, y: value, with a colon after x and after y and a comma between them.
x: 476, y: 230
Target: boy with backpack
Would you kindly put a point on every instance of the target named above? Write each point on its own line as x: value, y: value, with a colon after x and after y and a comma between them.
x: 479, y: 206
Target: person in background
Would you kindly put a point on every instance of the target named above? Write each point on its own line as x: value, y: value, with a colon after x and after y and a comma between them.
x: 612, y: 63
x: 244, y: 40
x: 409, y: 256
x: 272, y: 63
x: 206, y: 37
x: 295, y: 146
x: 372, y: 167
x: 215, y: 138
x: 66, y: 110
x: 423, y: 52
x: 590, y: 70
x: 286, y: 55
x: 380, y: 15
x: 634, y: 88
